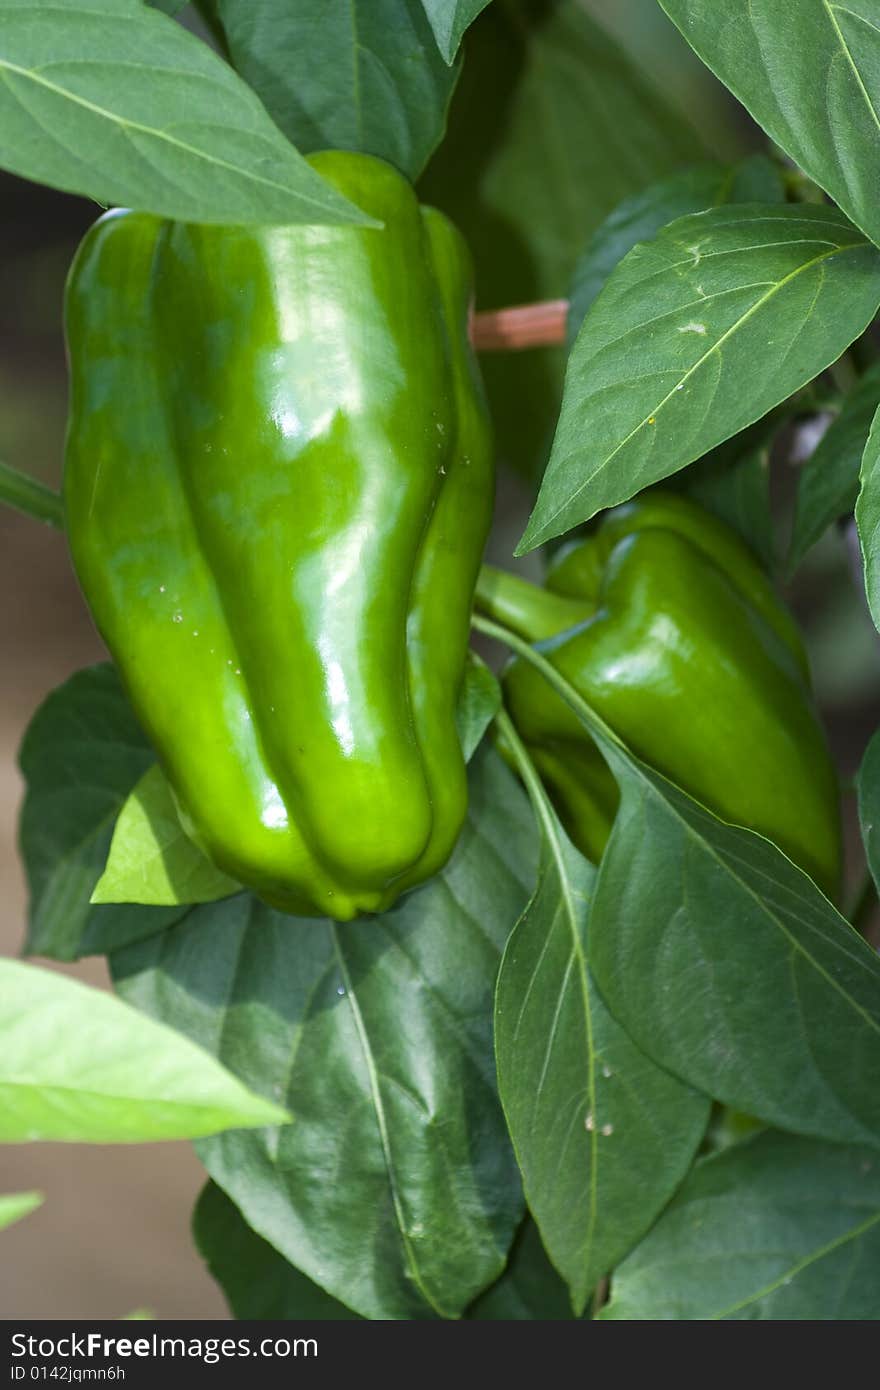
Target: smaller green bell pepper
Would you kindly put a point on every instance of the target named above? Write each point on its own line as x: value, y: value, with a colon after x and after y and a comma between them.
x: 665, y: 623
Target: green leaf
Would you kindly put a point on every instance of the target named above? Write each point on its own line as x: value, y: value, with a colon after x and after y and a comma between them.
x: 81, y: 756
x: 478, y: 703
x: 78, y: 1065
x: 732, y: 481
x: 152, y: 859
x: 395, y: 1190
x: 113, y: 100
x: 449, y: 19
x: 258, y: 1283
x: 168, y: 7
x: 868, y: 517
x: 645, y: 214
x: 344, y: 74
x: 729, y: 967
x: 697, y: 334
x: 779, y: 1228
x: 829, y: 481
x: 528, y: 1289
x: 551, y: 126
x: 812, y: 80
x: 602, y: 1136
x: 15, y: 1205
x: 868, y: 788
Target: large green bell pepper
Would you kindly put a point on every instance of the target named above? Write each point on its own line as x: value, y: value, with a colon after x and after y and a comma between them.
x: 665, y: 623
x: 278, y: 486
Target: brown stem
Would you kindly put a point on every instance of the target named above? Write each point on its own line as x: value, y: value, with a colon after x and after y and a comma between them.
x: 600, y: 1296
x: 523, y: 326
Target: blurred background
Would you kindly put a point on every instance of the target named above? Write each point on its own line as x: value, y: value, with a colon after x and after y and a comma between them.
x: 113, y: 1235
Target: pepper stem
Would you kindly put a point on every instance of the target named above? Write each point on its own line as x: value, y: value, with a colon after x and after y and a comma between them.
x: 31, y: 497
x: 529, y: 611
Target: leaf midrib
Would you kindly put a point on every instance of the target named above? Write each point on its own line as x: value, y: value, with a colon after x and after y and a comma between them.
x: 830, y: 10
x: 568, y: 907
x: 813, y: 1258
x: 603, y: 465
x: 382, y: 1125
x: 129, y: 128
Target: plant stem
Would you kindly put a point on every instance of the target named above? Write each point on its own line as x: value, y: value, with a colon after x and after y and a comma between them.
x: 584, y: 711
x: 31, y: 497
x: 526, y: 609
x: 520, y: 327
x: 511, y: 741
x: 600, y: 1297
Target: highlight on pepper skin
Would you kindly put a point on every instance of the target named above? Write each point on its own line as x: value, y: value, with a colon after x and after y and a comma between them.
x: 279, y: 537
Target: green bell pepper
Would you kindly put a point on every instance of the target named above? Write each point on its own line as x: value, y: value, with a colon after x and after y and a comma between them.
x: 667, y: 626
x: 278, y: 486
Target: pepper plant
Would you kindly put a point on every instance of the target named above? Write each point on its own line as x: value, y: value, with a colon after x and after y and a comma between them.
x: 532, y: 998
